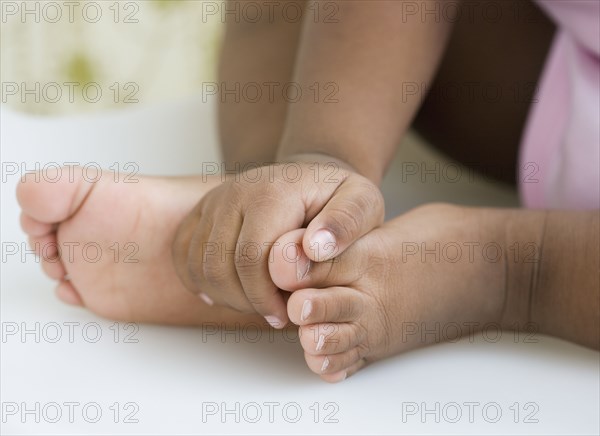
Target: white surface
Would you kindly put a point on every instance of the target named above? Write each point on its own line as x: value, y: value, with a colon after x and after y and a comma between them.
x: 170, y: 372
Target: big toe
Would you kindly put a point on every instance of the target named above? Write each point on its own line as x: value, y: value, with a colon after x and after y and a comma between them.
x: 291, y: 269
x: 53, y: 195
x: 288, y: 264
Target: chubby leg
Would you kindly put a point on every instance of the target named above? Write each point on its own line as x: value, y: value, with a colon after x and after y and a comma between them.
x: 256, y: 53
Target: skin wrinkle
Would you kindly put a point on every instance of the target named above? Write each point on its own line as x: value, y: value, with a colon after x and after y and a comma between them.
x: 310, y: 214
x: 517, y: 298
x: 505, y: 298
x: 331, y: 263
x: 375, y: 263
x: 349, y: 218
x: 138, y: 218
x: 388, y: 325
x: 87, y: 195
x: 363, y: 332
x: 535, y: 274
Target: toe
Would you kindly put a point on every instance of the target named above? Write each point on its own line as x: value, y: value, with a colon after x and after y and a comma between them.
x: 54, y: 269
x: 288, y: 265
x: 54, y: 197
x: 333, y: 363
x: 322, y: 339
x: 46, y: 248
x: 34, y: 227
x: 345, y: 373
x: 330, y: 305
x: 67, y: 293
x: 291, y: 269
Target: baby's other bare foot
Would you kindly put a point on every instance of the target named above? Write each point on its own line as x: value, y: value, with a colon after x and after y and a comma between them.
x: 108, y: 243
x: 382, y: 295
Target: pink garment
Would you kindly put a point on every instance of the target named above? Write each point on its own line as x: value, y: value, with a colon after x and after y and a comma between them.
x: 560, y: 152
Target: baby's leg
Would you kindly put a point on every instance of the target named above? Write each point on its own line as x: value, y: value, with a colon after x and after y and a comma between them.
x: 485, y: 85
x: 260, y: 53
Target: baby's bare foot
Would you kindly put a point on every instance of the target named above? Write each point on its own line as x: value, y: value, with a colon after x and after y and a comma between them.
x: 414, y: 273
x: 108, y: 243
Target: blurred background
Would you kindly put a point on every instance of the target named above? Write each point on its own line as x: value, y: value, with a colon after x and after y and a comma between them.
x: 63, y: 58
x: 139, y: 52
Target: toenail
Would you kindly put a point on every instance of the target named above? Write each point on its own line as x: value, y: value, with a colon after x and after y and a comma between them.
x: 325, y: 244
x: 302, y: 264
x: 306, y: 310
x: 206, y: 298
x: 321, y: 342
x: 274, y: 321
x: 325, y: 364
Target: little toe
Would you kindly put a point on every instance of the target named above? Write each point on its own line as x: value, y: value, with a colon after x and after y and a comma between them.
x: 333, y: 363
x: 291, y: 269
x: 46, y: 248
x: 342, y: 375
x: 322, y: 339
x: 336, y: 377
x: 54, y: 269
x: 330, y: 305
x: 68, y: 294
